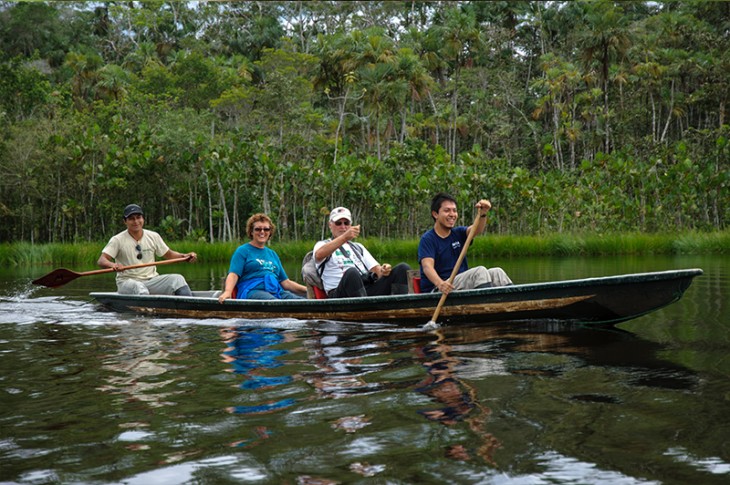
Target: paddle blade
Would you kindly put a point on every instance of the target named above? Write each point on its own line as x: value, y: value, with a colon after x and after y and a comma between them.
x: 56, y: 278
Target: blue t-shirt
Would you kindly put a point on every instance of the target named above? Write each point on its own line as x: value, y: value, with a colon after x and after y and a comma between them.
x: 250, y: 262
x: 444, y: 251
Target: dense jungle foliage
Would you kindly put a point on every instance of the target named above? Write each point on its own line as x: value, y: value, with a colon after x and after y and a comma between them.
x: 572, y: 117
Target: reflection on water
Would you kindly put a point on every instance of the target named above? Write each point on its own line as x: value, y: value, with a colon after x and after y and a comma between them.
x: 532, y: 349
x: 140, y: 366
x: 457, y: 399
x: 251, y: 351
x: 341, y: 363
x: 712, y: 464
x: 536, y: 401
x: 89, y: 396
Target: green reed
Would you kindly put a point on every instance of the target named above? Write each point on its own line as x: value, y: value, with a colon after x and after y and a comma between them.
x: 84, y: 255
x: 27, y: 254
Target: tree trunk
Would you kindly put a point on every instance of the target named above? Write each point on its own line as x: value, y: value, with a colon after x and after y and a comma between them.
x: 226, y: 224
x: 669, y: 114
x: 435, y: 117
x: 454, y: 117
x: 341, y: 121
x: 211, y: 235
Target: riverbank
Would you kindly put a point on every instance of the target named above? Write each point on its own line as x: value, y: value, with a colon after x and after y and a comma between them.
x: 24, y: 254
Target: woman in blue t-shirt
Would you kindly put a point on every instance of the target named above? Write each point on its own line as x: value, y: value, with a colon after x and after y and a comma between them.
x: 256, y: 271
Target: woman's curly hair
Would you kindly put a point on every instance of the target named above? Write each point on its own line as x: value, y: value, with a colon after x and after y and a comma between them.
x: 260, y: 217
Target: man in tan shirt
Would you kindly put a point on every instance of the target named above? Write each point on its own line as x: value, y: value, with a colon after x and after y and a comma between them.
x: 137, y: 245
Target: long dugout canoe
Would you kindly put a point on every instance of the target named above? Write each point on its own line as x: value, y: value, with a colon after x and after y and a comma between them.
x: 602, y: 300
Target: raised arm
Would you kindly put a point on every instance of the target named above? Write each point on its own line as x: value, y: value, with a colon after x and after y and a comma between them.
x: 483, y: 206
x: 330, y: 247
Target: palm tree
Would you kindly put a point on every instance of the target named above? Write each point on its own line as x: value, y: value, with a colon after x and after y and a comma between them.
x: 419, y: 83
x: 336, y: 75
x: 603, y: 37
x: 85, y: 75
x: 461, y: 40
x: 144, y: 55
x: 113, y: 81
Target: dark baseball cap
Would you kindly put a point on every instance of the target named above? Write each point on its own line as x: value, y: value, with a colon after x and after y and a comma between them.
x: 132, y: 209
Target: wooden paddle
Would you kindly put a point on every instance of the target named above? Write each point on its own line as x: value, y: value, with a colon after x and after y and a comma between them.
x: 61, y: 276
x: 432, y: 323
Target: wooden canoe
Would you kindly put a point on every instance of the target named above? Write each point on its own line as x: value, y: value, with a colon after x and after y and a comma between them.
x: 602, y: 300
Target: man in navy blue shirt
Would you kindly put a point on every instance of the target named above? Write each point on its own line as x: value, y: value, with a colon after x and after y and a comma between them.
x: 439, y: 249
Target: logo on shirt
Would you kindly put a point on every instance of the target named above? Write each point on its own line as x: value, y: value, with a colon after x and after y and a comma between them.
x: 267, y: 265
x: 456, y: 245
x: 344, y: 257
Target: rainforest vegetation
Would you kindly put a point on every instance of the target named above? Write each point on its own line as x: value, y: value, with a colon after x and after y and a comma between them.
x: 573, y: 117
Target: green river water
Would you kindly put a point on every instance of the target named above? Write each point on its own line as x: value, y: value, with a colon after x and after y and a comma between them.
x: 91, y: 396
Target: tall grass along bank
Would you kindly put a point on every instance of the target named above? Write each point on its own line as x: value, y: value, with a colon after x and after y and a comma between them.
x: 86, y: 254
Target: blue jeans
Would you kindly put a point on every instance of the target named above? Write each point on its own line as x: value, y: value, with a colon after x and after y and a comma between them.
x: 265, y: 295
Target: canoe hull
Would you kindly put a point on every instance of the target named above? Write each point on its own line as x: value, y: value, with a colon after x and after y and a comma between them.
x: 605, y: 300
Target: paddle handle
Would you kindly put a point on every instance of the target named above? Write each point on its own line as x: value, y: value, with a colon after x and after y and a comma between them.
x: 141, y: 265
x: 455, y: 271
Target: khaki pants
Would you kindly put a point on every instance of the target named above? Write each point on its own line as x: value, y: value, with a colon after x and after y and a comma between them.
x: 164, y: 284
x: 475, y: 277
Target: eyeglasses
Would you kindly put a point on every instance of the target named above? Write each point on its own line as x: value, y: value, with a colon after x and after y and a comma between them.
x: 342, y: 221
x: 139, y: 251
x: 262, y: 229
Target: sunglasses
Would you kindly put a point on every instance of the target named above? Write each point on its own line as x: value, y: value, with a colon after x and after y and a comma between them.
x: 341, y: 222
x: 139, y: 251
x: 262, y: 229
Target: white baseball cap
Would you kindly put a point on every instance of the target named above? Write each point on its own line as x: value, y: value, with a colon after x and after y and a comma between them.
x: 340, y: 213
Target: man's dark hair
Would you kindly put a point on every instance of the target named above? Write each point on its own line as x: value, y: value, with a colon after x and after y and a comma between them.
x: 439, y: 199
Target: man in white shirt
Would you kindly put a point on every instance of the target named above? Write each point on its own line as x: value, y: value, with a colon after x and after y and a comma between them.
x: 137, y: 245
x: 349, y: 268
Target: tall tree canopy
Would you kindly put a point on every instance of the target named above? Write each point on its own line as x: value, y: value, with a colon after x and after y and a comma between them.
x: 576, y: 116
